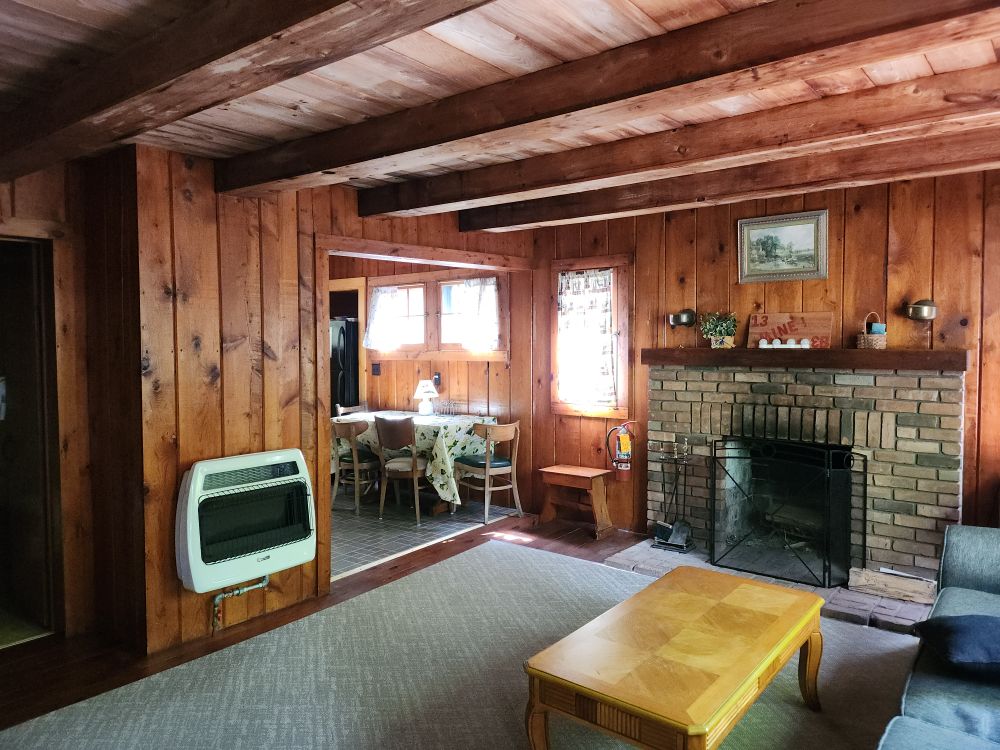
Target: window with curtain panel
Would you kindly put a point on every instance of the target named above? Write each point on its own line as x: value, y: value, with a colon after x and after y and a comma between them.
x: 438, y: 314
x: 470, y: 314
x: 590, y: 337
x: 395, y: 318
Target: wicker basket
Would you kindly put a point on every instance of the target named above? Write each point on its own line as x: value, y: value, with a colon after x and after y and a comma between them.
x: 871, y: 340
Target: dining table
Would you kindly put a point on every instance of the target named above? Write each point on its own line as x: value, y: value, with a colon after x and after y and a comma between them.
x: 441, y: 438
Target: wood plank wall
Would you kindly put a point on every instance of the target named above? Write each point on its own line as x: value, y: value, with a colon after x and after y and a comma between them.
x: 224, y: 329
x: 936, y: 238
x: 48, y: 205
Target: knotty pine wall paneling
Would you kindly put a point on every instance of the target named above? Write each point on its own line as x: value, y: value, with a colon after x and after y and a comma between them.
x: 226, y: 321
x: 49, y: 205
x: 906, y: 240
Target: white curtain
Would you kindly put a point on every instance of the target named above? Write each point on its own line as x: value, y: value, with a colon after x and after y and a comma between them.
x: 388, y: 304
x: 478, y: 325
x: 586, y: 341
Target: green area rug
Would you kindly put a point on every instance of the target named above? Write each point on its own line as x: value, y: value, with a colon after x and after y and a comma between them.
x: 434, y: 661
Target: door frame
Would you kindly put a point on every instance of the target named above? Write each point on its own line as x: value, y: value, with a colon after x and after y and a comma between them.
x: 357, y: 284
x: 44, y: 281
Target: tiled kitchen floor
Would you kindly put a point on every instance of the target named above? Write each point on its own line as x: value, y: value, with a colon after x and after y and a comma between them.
x: 363, y: 540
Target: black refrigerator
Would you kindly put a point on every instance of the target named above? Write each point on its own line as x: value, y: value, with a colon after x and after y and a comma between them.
x: 344, y: 361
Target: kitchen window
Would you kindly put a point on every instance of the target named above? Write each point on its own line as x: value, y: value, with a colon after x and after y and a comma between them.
x: 470, y: 314
x: 440, y: 315
x: 396, y: 317
x: 590, y: 338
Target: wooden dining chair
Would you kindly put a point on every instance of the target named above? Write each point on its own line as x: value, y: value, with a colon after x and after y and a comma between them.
x: 394, y: 435
x: 484, y: 467
x: 345, y: 410
x: 357, y: 465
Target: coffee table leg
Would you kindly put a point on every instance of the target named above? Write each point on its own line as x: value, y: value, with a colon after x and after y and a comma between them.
x: 536, y: 719
x: 809, y: 658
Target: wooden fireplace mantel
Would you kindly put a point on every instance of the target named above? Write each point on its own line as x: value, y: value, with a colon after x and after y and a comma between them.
x: 843, y: 359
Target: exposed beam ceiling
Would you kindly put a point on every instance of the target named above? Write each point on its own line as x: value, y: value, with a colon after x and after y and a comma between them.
x: 946, y: 103
x: 968, y: 151
x: 770, y: 45
x: 225, y: 50
x: 398, y: 252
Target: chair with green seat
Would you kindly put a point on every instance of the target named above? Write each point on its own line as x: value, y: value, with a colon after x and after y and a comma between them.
x: 484, y: 467
x: 356, y: 464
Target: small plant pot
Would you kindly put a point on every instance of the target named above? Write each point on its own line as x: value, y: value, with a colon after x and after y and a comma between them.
x: 723, y: 342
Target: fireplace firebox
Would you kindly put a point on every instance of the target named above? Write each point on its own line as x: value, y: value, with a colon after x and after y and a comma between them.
x: 789, y: 510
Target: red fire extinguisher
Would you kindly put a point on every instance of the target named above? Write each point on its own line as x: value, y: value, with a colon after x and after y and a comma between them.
x: 621, y: 451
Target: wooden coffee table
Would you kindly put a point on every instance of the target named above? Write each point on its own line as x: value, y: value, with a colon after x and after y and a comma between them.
x: 678, y: 664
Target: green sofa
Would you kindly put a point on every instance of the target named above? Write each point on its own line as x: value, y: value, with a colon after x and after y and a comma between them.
x: 942, y: 709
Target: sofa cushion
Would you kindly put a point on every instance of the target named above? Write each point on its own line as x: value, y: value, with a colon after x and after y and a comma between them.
x: 904, y: 733
x: 939, y: 693
x: 969, y: 642
x: 954, y: 601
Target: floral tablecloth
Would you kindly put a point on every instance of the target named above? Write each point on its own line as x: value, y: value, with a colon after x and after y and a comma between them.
x: 441, y: 439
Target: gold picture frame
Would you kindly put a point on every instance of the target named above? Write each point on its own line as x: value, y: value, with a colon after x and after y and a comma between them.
x: 785, y: 247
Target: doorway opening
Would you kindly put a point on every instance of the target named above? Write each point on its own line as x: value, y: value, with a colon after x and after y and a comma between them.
x: 358, y: 538
x: 30, y: 556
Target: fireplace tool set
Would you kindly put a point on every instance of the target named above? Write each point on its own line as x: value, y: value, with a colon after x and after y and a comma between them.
x: 676, y: 535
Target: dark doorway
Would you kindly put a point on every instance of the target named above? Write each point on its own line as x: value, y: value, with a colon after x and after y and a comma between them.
x: 345, y: 365
x: 28, y: 444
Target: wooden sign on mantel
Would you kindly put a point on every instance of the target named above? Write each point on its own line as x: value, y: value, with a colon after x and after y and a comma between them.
x: 815, y: 326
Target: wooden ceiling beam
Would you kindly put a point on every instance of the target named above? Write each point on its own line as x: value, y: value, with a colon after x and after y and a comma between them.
x: 224, y: 50
x: 773, y: 44
x: 967, y: 151
x: 945, y: 103
x: 398, y: 252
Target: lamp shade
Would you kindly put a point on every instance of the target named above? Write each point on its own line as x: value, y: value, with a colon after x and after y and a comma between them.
x: 425, y: 389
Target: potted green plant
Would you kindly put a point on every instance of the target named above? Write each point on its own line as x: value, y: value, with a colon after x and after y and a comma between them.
x: 719, y: 329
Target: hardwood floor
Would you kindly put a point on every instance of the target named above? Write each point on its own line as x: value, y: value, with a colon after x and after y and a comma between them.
x: 54, y: 672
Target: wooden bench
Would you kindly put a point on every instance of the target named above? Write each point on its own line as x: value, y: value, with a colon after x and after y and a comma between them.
x: 580, y: 478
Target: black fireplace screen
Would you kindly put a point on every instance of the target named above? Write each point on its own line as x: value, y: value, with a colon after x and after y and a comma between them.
x: 788, y: 510
x: 249, y: 520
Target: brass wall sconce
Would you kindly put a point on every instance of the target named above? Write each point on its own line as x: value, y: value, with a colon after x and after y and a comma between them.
x: 685, y: 318
x: 922, y: 309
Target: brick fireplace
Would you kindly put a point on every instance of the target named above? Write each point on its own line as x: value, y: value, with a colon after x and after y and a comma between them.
x: 902, y: 412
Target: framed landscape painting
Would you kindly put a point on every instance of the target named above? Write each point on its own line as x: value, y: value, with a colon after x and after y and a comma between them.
x: 788, y: 247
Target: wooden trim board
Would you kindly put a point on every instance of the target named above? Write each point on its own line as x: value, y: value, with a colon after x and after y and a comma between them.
x: 847, y: 359
x: 398, y: 252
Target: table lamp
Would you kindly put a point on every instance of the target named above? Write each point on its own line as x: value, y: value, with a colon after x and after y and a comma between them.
x: 425, y: 392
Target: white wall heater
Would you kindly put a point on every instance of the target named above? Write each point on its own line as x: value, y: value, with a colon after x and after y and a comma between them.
x: 244, y: 517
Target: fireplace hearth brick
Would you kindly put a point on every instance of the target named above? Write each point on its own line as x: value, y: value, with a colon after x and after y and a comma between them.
x: 907, y: 423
